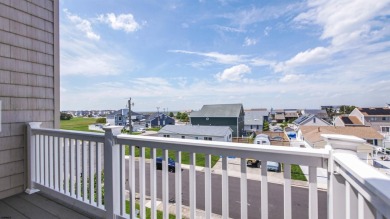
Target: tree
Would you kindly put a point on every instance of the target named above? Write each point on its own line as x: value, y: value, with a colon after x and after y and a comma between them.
x: 66, y: 116
x: 265, y: 125
x: 171, y: 114
x: 184, y: 117
x: 345, y: 109
x: 178, y: 115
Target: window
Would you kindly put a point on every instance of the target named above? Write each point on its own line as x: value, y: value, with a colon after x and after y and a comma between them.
x: 385, y: 129
x: 167, y: 136
x: 183, y: 136
x: 314, y: 120
x: 120, y: 118
x: 208, y: 138
x: 196, y: 138
x: 383, y: 118
x: 251, y: 127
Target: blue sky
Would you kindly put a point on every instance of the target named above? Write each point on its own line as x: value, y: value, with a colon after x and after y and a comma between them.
x: 181, y: 55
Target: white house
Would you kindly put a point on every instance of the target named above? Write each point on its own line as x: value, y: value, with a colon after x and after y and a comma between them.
x: 209, y: 133
x: 309, y: 120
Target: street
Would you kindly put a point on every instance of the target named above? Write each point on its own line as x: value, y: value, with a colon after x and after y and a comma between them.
x: 275, y: 195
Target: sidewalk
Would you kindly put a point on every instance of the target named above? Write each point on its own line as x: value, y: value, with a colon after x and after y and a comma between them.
x: 254, y: 173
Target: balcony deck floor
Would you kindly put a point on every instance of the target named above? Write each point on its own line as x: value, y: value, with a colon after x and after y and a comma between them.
x: 35, y: 206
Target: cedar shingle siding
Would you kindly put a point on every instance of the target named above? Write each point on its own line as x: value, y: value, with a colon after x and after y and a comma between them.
x: 29, y: 79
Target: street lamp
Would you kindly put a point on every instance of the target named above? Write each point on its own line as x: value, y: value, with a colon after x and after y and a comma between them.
x: 130, y: 125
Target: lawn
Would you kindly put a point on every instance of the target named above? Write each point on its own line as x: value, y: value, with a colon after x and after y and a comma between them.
x: 296, y: 173
x: 148, y: 213
x: 185, y: 156
x: 77, y: 124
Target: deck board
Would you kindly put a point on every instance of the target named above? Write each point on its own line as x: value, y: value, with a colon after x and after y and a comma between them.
x: 27, y: 208
x: 35, y: 206
x: 7, y: 212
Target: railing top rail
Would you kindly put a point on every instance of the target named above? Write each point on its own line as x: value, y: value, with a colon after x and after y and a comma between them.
x: 80, y: 135
x: 292, y: 155
x: 373, y: 182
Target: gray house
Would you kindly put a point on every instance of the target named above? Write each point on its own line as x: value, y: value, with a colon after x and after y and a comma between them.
x: 254, y: 120
x: 231, y: 115
x: 198, y: 132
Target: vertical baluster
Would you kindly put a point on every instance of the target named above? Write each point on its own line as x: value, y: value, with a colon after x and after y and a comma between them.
x: 264, y: 190
x: 207, y: 184
x: 165, y: 185
x: 122, y: 192
x: 91, y: 174
x: 72, y: 166
x: 225, y: 188
x: 192, y: 185
x: 99, y: 174
x: 84, y: 169
x: 42, y: 158
x: 287, y: 191
x: 46, y: 158
x: 153, y: 184
x: 313, y: 195
x: 360, y: 206
x: 38, y: 158
x: 347, y: 200
x: 56, y: 162
x: 178, y: 184
x: 244, y: 189
x: 78, y: 172
x: 132, y: 181
x: 66, y: 163
x: 142, y: 182
x: 51, y: 169
x: 61, y: 144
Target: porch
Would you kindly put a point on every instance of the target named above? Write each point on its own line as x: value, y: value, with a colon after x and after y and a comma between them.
x: 103, y: 174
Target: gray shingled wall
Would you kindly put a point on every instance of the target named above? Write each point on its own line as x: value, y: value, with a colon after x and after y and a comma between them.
x: 28, y: 81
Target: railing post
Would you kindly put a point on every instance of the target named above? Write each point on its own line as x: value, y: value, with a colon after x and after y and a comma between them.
x: 111, y: 172
x: 31, y: 168
x: 337, y: 188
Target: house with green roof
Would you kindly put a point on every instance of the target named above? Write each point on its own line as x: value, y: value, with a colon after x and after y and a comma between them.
x: 231, y: 115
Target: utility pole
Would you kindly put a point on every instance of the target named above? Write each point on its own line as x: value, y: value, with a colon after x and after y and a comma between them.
x: 158, y: 118
x: 130, y: 125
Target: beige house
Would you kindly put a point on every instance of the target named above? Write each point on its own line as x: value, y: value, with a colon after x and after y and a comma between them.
x: 312, y: 134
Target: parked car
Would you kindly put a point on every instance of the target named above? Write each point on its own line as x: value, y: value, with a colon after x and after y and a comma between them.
x: 142, y: 130
x: 273, y: 166
x: 253, y: 162
x: 171, y: 164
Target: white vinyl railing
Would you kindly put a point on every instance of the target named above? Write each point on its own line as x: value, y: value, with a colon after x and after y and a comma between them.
x: 59, y: 160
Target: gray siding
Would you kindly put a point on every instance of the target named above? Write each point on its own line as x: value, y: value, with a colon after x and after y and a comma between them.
x: 29, y: 81
x: 216, y: 121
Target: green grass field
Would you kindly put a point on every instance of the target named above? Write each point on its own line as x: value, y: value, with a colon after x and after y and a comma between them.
x: 148, y: 212
x: 77, y: 124
x: 185, y: 157
x: 296, y: 173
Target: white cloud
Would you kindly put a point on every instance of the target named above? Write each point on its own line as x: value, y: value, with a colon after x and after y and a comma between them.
x: 216, y: 56
x: 310, y: 56
x: 250, y: 41
x: 89, y: 58
x: 344, y: 21
x: 290, y: 78
x: 235, y: 73
x: 267, y: 30
x: 125, y: 22
x: 82, y: 25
